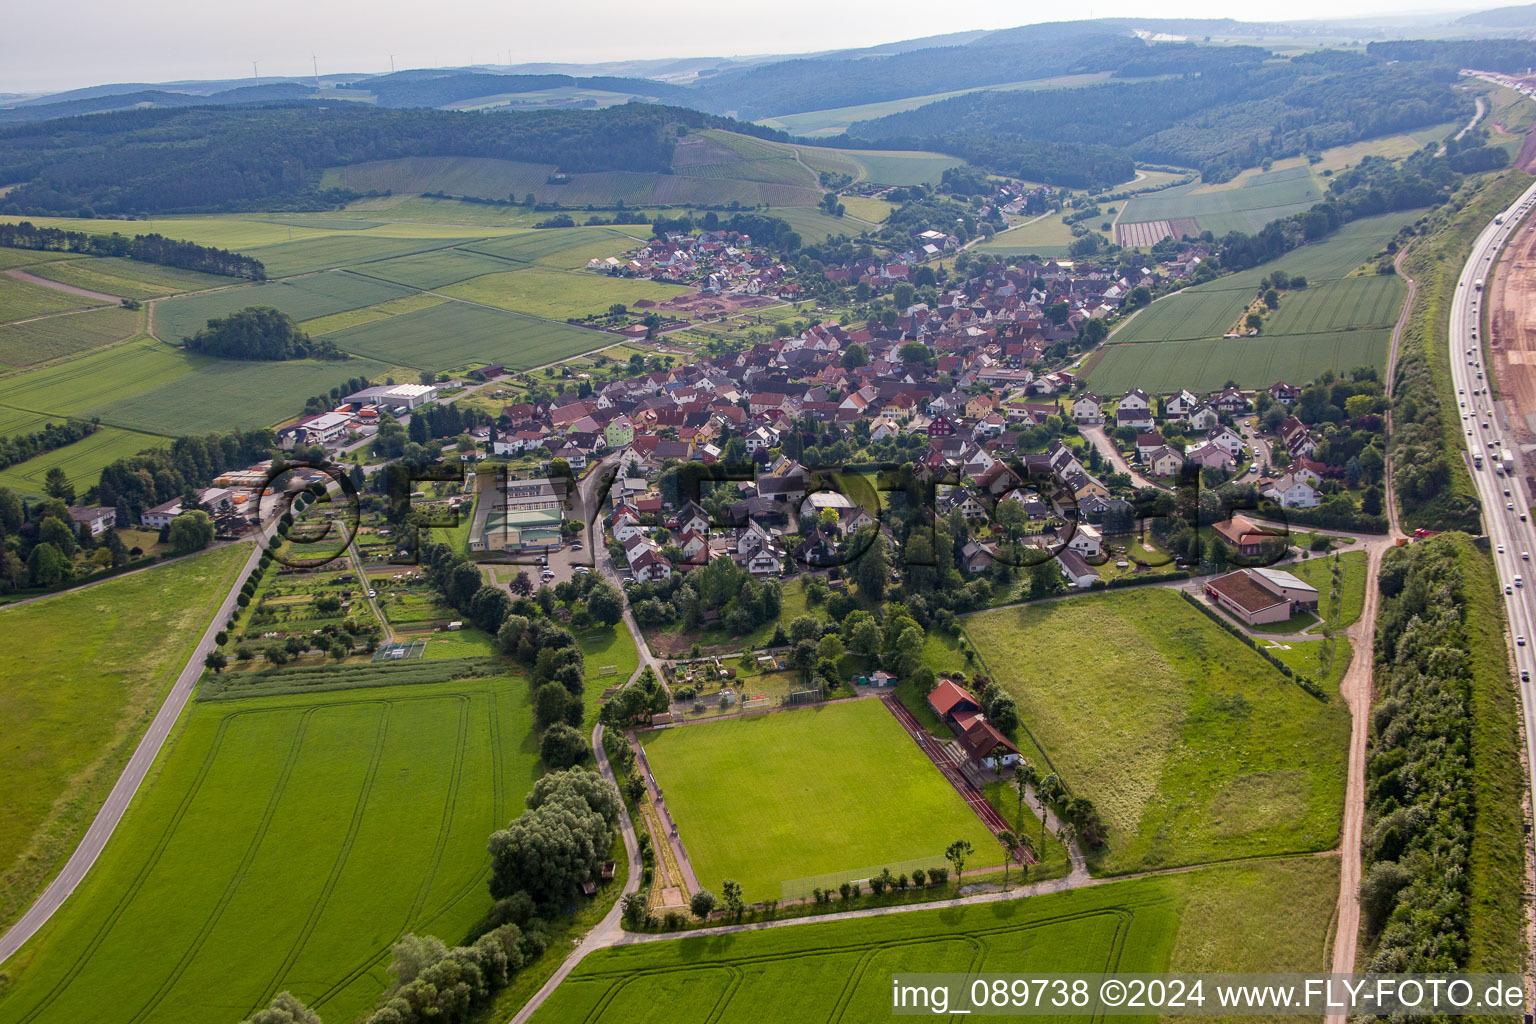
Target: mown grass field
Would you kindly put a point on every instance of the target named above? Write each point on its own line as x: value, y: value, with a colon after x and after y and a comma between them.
x: 303, y: 298
x: 610, y: 658
x: 787, y: 795
x: 1190, y: 745
x: 12, y: 258
x: 1319, y: 573
x: 1252, y: 362
x: 1048, y: 236
x: 37, y: 341
x: 557, y: 294
x: 551, y: 243
x: 286, y: 843
x: 455, y: 333
x: 85, y: 672
x: 1262, y: 917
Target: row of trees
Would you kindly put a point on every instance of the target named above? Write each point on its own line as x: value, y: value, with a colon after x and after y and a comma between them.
x: 21, y: 447
x: 151, y: 248
x: 1420, y: 793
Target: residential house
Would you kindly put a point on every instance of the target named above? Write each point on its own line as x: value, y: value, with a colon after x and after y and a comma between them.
x: 1086, y: 541
x: 1165, y: 461
x: 1077, y: 572
x: 1247, y: 538
x: 1293, y: 491
x: 98, y: 519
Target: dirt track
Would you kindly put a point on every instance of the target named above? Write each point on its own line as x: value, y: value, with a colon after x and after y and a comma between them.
x: 84, y: 293
x: 1512, y: 330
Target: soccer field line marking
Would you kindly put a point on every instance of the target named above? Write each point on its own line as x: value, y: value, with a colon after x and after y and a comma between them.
x: 233, y: 885
x: 359, y: 811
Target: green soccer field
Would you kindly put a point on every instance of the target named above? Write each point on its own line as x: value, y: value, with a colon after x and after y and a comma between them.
x: 286, y: 843
x: 1272, y: 916
x: 1191, y: 746
x: 79, y: 692
x: 841, y: 787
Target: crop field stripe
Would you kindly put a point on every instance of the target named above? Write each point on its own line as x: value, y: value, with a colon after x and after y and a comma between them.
x: 358, y: 810
x: 451, y: 800
x: 165, y: 839
x: 234, y: 883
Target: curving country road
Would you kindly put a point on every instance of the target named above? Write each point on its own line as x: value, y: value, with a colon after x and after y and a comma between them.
x: 139, y: 764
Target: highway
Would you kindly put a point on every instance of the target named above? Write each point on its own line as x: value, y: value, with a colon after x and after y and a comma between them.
x: 1506, y: 505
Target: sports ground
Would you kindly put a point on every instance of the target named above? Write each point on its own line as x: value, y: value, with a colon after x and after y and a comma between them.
x: 767, y: 799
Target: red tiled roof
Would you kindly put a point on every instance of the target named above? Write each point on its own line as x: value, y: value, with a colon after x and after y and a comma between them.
x: 948, y: 694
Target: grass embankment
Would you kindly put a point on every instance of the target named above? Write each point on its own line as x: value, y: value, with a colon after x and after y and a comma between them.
x: 84, y: 673
x: 1434, y: 488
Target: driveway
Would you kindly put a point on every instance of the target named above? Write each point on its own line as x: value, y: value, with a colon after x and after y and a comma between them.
x: 1107, y: 449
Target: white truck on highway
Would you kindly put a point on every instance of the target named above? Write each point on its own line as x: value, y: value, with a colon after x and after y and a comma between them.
x: 1478, y: 284
x: 1507, y: 461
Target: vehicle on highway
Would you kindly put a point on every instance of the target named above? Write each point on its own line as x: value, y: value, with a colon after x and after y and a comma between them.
x: 1508, y: 589
x: 373, y: 593
x: 1520, y: 641
x: 1501, y: 549
x: 1525, y: 556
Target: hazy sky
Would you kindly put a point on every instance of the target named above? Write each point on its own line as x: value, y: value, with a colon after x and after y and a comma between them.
x: 52, y: 46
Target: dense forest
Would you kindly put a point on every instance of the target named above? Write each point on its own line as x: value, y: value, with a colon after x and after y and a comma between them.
x: 168, y: 252
x: 208, y: 159
x: 1227, y: 108
x: 259, y: 332
x: 275, y: 92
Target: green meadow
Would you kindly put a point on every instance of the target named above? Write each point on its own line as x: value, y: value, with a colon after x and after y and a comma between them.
x: 1191, y: 746
x: 85, y: 672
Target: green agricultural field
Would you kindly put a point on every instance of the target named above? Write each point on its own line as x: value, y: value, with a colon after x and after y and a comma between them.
x: 369, y: 314
x: 551, y: 243
x: 343, y: 250
x: 1204, y: 311
x: 211, y: 394
x: 456, y: 333
x: 303, y: 298
x: 151, y: 387
x: 1351, y: 303
x: 1252, y: 362
x: 1245, y: 204
x: 1190, y: 745
x: 558, y: 294
x: 1273, y: 916
x: 754, y: 800
x: 82, y: 461
x: 81, y: 689
x: 227, y: 232
x: 436, y: 268
x: 22, y: 299
x: 45, y: 338
x: 130, y: 278
x: 286, y: 843
x: 29, y: 258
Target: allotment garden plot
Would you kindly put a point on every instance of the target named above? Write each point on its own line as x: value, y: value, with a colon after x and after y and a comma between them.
x: 1269, y: 917
x: 286, y: 843
x: 1191, y: 746
x: 770, y: 798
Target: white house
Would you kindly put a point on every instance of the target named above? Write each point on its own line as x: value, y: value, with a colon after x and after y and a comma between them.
x: 1086, y: 541
x: 1293, y: 491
